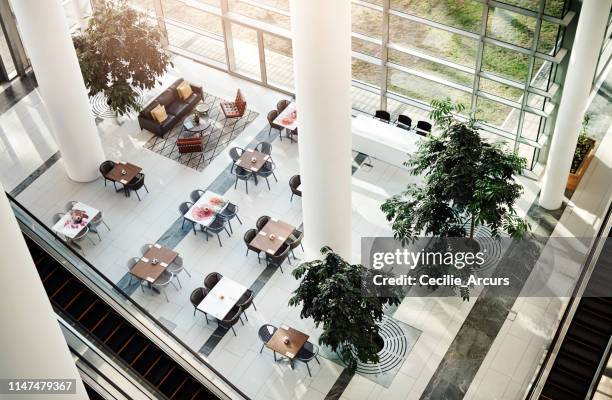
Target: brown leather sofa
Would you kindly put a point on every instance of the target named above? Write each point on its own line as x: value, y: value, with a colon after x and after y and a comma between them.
x: 176, y: 109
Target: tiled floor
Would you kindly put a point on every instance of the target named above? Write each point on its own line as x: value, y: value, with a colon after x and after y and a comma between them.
x: 27, y: 144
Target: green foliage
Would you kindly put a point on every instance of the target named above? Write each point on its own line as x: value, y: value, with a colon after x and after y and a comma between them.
x: 584, y: 144
x: 118, y: 52
x: 465, y: 179
x: 331, y: 293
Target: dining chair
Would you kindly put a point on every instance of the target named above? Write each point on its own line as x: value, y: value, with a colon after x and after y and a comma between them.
x: 261, y: 222
x: 231, y: 318
x: 271, y: 117
x: 144, y: 248
x: 383, y: 116
x: 177, y: 266
x: 81, y: 236
x: 294, y: 183
x: 295, y: 241
x: 184, y: 209
x: 105, y: 168
x: 241, y: 174
x: 130, y: 263
x: 230, y: 212
x: 248, y: 237
x: 196, y: 194
x: 277, y: 259
x: 56, y: 217
x: 264, y: 147
x: 212, y: 279
x: 235, y: 153
x: 307, y: 353
x: 70, y: 205
x: 245, y: 301
x: 281, y: 105
x: 97, y: 221
x: 135, y: 184
x: 267, y: 170
x: 196, y: 298
x: 423, y: 128
x: 265, y: 333
x: 216, y: 227
x: 165, y: 279
x: 404, y: 122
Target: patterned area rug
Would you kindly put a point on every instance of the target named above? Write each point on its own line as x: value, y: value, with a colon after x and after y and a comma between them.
x: 216, y: 137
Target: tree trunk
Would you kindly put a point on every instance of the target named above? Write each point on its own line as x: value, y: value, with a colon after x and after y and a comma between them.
x: 472, y: 227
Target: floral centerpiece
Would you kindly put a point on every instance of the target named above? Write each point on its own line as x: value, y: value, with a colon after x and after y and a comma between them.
x: 78, y: 219
x: 201, y: 213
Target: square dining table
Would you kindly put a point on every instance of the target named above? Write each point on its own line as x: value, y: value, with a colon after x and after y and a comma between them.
x: 146, y: 270
x: 272, y: 236
x: 252, y: 160
x: 222, y: 298
x: 288, y: 117
x: 69, y: 228
x: 123, y: 172
x: 295, y: 341
x: 204, y: 211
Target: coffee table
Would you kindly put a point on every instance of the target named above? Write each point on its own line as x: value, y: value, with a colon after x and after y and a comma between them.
x: 192, y: 128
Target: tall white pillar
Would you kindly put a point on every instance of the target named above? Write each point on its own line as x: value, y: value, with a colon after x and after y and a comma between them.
x: 581, y: 69
x: 46, y: 38
x: 322, y: 64
x: 31, y: 342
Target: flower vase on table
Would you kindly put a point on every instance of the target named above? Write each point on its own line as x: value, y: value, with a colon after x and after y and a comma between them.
x: 196, y: 118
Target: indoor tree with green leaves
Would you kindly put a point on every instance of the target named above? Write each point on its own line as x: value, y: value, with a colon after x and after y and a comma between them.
x: 119, y: 51
x: 335, y: 294
x: 467, y: 182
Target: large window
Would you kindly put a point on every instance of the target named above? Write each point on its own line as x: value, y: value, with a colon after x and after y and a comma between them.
x: 498, y: 59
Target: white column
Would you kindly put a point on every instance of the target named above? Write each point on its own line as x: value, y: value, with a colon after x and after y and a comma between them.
x: 46, y: 38
x: 31, y: 342
x: 322, y: 64
x: 576, y: 89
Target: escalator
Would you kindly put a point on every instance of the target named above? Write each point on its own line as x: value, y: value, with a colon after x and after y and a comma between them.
x: 586, y: 342
x: 75, y: 302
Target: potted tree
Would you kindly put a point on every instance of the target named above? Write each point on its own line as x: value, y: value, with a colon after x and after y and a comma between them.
x: 467, y: 182
x: 583, y: 155
x: 331, y: 292
x: 119, y: 52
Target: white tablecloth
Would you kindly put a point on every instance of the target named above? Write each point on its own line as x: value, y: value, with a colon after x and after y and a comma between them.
x: 63, y: 227
x: 286, y: 113
x: 218, y: 307
x: 204, y: 201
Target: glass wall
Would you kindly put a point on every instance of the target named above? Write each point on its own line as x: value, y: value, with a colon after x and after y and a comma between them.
x: 498, y: 59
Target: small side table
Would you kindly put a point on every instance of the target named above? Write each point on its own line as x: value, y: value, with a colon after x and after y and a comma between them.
x: 202, y: 109
x: 191, y: 128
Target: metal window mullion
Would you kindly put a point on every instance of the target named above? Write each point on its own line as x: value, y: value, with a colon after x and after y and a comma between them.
x: 384, y: 54
x: 479, y: 55
x: 534, y: 46
x: 433, y: 24
x: 161, y: 22
x: 228, y: 41
x: 262, y: 58
x: 13, y: 39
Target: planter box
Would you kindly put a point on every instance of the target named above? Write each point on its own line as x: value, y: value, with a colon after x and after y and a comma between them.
x: 574, y: 178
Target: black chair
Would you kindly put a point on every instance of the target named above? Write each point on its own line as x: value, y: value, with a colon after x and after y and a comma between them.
x: 294, y: 183
x: 248, y: 237
x: 196, y: 194
x: 261, y: 222
x: 243, y: 175
x: 271, y: 117
x: 196, y: 298
x: 230, y: 212
x: 264, y: 147
x: 265, y: 333
x: 404, y: 122
x: 235, y: 153
x: 267, y: 170
x: 281, y: 105
x: 212, y: 279
x: 105, y: 168
x: 184, y: 209
x: 307, y: 353
x: 383, y: 115
x: 245, y: 301
x: 423, y: 128
x: 295, y: 241
x: 216, y: 227
x: 279, y: 258
x: 231, y: 318
x: 135, y: 184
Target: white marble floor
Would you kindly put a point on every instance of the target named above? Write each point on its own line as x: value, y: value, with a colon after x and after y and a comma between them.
x: 27, y: 143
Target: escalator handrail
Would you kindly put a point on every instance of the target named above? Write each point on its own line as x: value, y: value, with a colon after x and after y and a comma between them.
x: 194, y: 370
x: 537, y: 384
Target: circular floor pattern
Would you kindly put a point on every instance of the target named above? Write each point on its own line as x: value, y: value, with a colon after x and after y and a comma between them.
x: 489, y: 245
x: 101, y: 109
x: 394, y: 351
